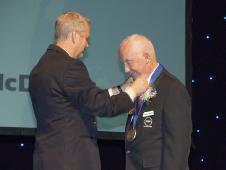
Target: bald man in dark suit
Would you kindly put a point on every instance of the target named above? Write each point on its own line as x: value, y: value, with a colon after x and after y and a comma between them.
x: 158, y: 130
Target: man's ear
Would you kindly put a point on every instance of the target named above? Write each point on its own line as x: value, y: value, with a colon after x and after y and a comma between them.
x: 74, y: 36
x: 147, y: 57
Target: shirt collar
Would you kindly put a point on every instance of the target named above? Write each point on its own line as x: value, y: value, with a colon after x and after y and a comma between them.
x: 149, y: 78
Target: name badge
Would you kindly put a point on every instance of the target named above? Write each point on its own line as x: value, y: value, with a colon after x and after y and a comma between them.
x: 148, y: 113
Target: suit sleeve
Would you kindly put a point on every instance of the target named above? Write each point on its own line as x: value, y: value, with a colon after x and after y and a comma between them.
x: 177, y: 128
x: 85, y: 95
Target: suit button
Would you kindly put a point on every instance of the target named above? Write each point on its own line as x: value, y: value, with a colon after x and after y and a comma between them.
x: 95, y: 123
x: 128, y: 151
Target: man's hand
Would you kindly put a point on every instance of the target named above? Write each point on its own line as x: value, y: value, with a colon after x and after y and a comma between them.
x: 138, y: 87
x: 127, y: 83
x: 116, y: 90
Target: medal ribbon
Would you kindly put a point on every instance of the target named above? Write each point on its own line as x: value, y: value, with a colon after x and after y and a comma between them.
x: 139, y: 103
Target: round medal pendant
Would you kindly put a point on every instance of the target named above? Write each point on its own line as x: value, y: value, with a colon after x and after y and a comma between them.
x: 131, y: 134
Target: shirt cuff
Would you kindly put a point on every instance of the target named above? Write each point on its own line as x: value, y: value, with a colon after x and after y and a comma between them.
x: 113, y: 91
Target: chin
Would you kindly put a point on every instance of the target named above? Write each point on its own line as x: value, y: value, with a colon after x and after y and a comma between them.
x: 80, y: 56
x: 134, y: 77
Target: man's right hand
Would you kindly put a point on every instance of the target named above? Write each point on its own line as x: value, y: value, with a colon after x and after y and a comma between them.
x: 138, y: 87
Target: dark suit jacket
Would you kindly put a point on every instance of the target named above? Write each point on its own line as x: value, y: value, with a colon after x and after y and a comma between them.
x: 166, y: 143
x: 65, y: 103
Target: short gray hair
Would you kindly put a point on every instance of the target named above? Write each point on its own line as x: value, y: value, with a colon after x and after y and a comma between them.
x: 68, y: 22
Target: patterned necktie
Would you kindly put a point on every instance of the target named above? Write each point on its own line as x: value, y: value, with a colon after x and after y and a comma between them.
x: 139, y: 103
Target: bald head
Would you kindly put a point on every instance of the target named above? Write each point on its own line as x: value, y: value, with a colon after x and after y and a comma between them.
x: 138, y: 55
x: 138, y: 44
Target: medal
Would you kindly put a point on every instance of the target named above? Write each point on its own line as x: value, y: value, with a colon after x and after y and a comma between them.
x: 131, y: 134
